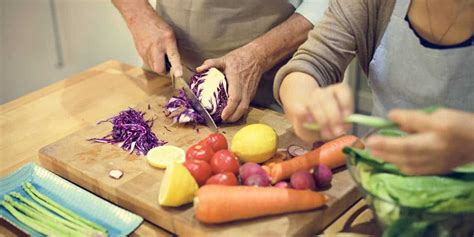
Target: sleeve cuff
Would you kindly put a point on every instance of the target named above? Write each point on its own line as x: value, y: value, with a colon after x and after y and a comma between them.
x: 313, y: 10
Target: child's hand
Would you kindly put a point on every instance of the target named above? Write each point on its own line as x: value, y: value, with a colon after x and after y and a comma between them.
x: 328, y: 107
x: 303, y: 102
x: 440, y: 141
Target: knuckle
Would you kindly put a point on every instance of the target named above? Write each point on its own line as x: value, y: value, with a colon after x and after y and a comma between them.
x: 168, y: 36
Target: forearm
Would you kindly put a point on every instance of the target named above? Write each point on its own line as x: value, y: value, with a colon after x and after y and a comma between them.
x: 296, y: 87
x: 134, y: 11
x: 281, y: 41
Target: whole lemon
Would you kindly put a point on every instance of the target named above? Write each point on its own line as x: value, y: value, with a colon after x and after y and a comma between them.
x: 255, y: 143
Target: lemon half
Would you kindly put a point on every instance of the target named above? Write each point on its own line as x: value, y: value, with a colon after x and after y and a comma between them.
x: 162, y: 156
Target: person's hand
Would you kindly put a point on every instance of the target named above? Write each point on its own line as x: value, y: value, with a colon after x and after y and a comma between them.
x: 304, y: 101
x: 439, y: 141
x: 154, y: 39
x: 243, y: 70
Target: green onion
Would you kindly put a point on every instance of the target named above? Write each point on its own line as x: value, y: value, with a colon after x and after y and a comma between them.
x: 52, y: 217
x: 365, y: 120
x: 50, y: 222
x: 47, y: 216
x: 32, y: 223
x: 58, y: 209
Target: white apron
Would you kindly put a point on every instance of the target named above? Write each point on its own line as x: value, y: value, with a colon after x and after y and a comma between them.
x: 211, y: 28
x: 405, y: 74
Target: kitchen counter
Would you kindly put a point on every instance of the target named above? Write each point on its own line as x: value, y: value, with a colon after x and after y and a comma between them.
x: 46, y: 115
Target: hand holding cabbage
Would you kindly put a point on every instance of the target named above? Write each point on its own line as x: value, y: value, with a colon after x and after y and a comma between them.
x: 243, y: 70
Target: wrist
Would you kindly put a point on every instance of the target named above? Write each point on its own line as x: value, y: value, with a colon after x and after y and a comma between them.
x: 296, y: 87
x: 258, y: 52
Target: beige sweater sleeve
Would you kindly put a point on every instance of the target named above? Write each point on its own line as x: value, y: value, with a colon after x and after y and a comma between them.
x: 349, y: 28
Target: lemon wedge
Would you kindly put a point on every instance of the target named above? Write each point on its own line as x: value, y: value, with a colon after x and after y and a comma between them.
x: 177, y: 186
x: 162, y: 156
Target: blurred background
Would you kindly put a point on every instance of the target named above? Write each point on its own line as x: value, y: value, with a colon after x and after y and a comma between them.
x: 44, y: 41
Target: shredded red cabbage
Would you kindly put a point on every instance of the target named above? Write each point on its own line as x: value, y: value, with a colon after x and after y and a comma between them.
x: 132, y: 132
x: 180, y: 109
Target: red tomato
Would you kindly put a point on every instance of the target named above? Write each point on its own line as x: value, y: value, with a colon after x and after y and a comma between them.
x: 199, y: 169
x: 199, y: 152
x: 216, y: 141
x: 224, y: 161
x: 227, y: 178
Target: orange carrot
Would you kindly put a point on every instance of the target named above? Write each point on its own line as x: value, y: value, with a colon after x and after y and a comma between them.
x: 219, y: 203
x: 329, y: 154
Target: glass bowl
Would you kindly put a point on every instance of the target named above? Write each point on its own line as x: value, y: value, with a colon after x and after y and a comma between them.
x: 398, y: 216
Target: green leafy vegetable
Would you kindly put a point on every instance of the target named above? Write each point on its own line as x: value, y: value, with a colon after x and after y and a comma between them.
x: 415, y: 205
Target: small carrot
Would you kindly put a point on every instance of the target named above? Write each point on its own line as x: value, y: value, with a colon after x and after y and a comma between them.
x: 329, y: 154
x: 218, y: 204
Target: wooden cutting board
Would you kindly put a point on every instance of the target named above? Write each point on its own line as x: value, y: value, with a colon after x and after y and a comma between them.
x: 88, y: 164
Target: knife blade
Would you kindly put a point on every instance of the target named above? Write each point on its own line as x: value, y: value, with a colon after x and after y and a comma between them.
x: 180, y: 83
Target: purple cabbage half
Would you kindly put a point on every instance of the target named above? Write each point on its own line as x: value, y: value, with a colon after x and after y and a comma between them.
x: 210, y: 87
x: 132, y: 132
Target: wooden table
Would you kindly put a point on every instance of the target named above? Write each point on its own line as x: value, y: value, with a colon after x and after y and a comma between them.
x: 46, y: 115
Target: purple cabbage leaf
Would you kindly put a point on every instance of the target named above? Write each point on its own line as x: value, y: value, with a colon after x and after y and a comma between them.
x: 210, y: 87
x: 131, y: 132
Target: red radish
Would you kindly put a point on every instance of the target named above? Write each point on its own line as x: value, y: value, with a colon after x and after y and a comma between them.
x: 257, y: 180
x: 283, y: 184
x: 302, y: 180
x: 250, y: 168
x: 317, y: 144
x: 322, y: 176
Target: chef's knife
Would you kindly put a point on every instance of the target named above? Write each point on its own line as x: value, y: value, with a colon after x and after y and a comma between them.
x: 180, y: 83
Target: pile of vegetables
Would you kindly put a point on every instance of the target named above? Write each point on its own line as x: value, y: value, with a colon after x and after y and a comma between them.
x: 234, y: 191
x: 210, y: 87
x: 131, y: 132
x: 415, y: 205
x: 47, y: 216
